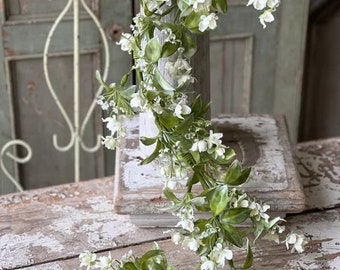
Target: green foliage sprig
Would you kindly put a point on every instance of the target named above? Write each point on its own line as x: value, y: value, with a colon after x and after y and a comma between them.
x: 187, y: 148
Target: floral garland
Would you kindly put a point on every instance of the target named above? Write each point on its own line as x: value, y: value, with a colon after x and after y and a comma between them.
x: 187, y: 148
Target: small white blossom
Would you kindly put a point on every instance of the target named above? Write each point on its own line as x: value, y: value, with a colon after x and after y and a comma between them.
x: 109, y: 142
x: 87, y: 259
x: 200, y: 146
x: 298, y: 241
x: 126, y: 42
x: 185, y: 78
x: 273, y: 3
x: 220, y: 254
x: 104, y: 263
x: 258, y: 211
x: 207, y: 22
x: 214, y: 138
x: 186, y: 224
x: 137, y: 101
x: 182, y: 109
x: 190, y: 243
x: 200, y: 5
x: 208, y: 265
x: 112, y: 124
x: 258, y: 4
x: 266, y: 17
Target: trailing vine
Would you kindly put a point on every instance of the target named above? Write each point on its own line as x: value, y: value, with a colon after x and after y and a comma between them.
x: 187, y: 148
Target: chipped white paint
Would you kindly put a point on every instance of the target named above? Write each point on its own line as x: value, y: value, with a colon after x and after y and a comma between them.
x: 319, y: 166
x: 100, y: 203
x: 22, y: 245
x: 262, y: 142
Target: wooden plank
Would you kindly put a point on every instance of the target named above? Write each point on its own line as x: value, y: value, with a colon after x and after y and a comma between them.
x: 321, y: 252
x: 261, y: 142
x: 318, y: 163
x: 44, y: 225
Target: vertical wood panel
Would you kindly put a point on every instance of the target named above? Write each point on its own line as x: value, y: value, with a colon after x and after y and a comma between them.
x: 38, y: 118
x: 231, y: 67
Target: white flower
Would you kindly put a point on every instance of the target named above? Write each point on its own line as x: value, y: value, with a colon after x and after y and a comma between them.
x: 137, y: 101
x: 298, y: 241
x: 185, y: 78
x: 182, y: 109
x: 258, y: 4
x: 207, y: 22
x: 200, y: 5
x: 186, y: 224
x: 259, y: 211
x: 190, y: 243
x: 200, y: 146
x: 219, y: 255
x: 112, y: 124
x: 208, y: 265
x: 266, y: 17
x: 110, y: 142
x: 214, y: 139
x: 104, y: 263
x: 126, y: 42
x: 176, y: 237
x: 87, y: 259
x: 273, y: 3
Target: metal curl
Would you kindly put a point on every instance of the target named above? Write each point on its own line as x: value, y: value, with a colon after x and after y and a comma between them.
x: 49, y: 84
x: 63, y: 148
x: 91, y: 149
x: 106, y: 67
x: 15, y: 159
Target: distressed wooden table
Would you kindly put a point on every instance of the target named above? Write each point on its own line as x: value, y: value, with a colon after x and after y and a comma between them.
x: 48, y: 228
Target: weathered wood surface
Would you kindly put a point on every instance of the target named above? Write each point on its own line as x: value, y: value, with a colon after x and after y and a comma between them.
x: 318, y: 163
x: 260, y: 141
x: 48, y: 228
x: 48, y: 224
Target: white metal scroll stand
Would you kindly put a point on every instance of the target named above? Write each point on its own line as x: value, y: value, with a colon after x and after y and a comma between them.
x: 77, y: 127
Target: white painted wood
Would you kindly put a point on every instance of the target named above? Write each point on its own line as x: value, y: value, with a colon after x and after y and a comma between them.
x: 261, y: 141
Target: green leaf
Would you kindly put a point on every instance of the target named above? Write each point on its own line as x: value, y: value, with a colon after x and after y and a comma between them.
x: 170, y: 195
x: 193, y: 20
x: 235, y: 215
x: 148, y: 141
x: 167, y: 119
x: 228, y: 155
x: 196, y: 178
x: 148, y: 255
x: 219, y: 199
x: 258, y: 231
x: 153, y: 50
x: 124, y: 79
x: 169, y: 49
x: 154, y: 154
x: 232, y: 235
x: 233, y: 172
x: 235, y: 176
x: 249, y: 259
x: 161, y: 84
x: 220, y: 5
x: 185, y: 124
x: 189, y: 45
x: 129, y: 266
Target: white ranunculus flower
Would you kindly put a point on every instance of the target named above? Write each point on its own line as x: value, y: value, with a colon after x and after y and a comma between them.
x: 207, y: 22
x: 266, y: 17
